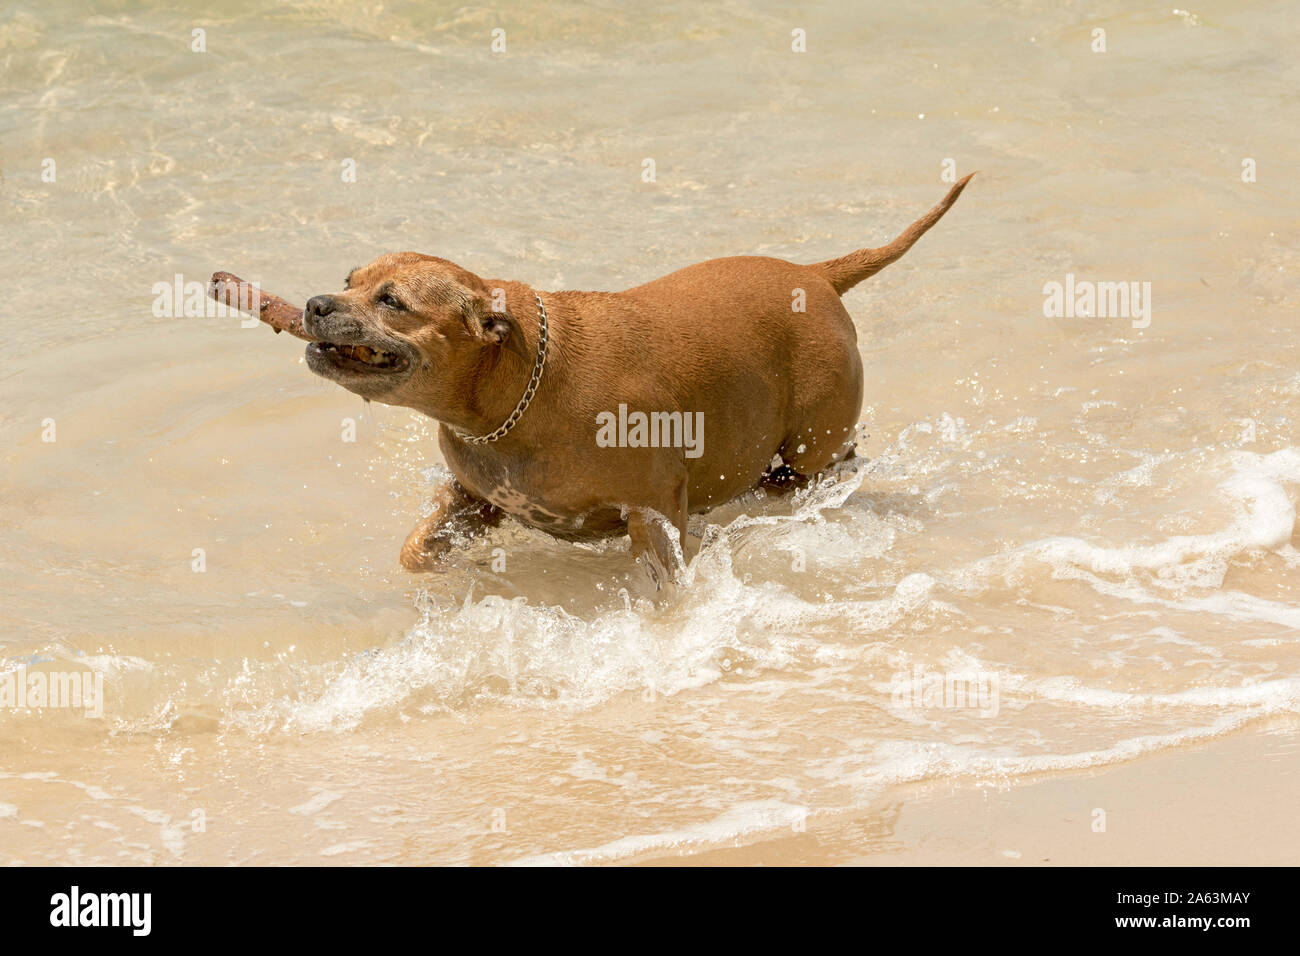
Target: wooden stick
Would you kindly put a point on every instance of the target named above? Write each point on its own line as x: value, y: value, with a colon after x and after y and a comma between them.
x: 276, y: 312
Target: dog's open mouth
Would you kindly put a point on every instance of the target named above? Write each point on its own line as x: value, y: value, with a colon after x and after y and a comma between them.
x: 361, y: 358
x: 367, y: 369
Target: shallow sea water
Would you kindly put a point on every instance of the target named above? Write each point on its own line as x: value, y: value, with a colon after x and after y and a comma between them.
x: 1092, y: 521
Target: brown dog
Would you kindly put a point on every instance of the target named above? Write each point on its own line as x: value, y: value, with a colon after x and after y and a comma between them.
x: 589, y: 414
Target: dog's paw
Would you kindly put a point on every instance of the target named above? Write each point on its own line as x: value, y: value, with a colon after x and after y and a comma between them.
x: 421, y: 558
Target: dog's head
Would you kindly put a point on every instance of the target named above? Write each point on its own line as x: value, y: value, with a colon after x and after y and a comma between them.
x: 414, y: 330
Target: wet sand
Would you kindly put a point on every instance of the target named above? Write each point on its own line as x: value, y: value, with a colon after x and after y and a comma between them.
x: 1231, y: 802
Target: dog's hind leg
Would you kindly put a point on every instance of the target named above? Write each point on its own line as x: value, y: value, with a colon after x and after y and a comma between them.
x: 783, y: 479
x: 457, y: 516
x: 811, y: 455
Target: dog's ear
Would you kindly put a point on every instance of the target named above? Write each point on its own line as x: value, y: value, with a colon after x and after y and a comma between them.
x: 495, y: 325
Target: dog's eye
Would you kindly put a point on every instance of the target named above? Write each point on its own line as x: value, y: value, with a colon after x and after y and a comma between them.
x: 389, y: 301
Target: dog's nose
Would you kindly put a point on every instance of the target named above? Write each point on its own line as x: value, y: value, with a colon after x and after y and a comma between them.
x: 319, y: 306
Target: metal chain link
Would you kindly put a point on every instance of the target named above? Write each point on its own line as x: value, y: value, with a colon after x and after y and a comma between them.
x: 529, y: 392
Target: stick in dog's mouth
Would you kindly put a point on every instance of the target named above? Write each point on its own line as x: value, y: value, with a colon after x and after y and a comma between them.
x: 279, y: 314
x: 323, y: 356
x: 360, y: 357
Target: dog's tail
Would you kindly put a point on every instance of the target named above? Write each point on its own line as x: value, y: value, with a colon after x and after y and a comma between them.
x: 847, y: 271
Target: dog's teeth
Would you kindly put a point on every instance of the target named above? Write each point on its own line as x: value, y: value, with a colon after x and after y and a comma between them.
x: 363, y: 353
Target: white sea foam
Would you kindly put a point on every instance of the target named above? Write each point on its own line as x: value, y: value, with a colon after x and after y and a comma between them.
x: 742, y: 820
x: 546, y: 656
x: 521, y: 653
x: 1256, y: 487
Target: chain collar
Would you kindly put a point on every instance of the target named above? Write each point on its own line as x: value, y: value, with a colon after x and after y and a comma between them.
x: 529, y: 392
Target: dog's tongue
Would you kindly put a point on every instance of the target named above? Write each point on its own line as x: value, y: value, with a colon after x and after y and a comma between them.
x: 276, y: 312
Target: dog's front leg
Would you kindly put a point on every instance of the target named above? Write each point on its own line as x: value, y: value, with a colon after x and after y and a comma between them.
x: 457, y: 515
x: 659, y: 536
